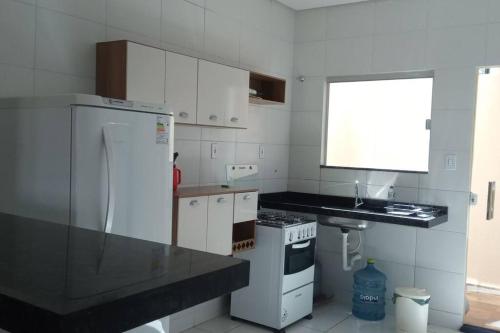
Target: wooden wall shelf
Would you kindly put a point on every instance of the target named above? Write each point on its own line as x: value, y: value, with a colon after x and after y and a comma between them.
x: 270, y: 90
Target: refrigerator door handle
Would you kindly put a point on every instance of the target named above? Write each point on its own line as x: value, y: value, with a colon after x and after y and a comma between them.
x: 110, y: 161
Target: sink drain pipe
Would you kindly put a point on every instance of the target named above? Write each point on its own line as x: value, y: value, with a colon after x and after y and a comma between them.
x: 348, y: 264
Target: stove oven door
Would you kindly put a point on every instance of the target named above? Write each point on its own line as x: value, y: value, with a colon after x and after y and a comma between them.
x: 298, y: 264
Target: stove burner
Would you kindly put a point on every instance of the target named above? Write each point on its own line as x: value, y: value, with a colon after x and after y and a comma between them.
x: 279, y: 219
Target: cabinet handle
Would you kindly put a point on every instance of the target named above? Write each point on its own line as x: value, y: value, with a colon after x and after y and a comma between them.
x: 234, y: 119
x: 183, y: 114
x: 221, y: 200
x: 213, y: 117
x: 247, y: 197
x: 194, y: 203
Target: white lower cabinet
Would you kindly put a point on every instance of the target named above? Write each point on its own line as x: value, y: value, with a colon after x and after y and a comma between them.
x: 220, y: 224
x: 245, y: 206
x: 192, y: 223
x: 205, y: 222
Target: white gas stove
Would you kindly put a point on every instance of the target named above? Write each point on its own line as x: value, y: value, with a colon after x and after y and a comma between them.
x: 281, y: 272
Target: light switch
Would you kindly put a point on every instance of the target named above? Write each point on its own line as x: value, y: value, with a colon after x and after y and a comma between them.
x: 213, y: 154
x: 451, y: 162
x: 261, y: 152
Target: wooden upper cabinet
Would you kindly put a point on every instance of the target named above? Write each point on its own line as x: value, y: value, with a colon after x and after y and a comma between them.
x: 222, y: 95
x: 181, y: 85
x: 130, y: 71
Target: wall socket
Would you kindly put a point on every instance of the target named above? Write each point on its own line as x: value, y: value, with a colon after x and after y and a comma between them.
x: 213, y: 153
x: 451, y: 162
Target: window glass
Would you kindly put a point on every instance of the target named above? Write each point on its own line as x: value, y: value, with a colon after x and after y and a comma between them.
x: 379, y: 124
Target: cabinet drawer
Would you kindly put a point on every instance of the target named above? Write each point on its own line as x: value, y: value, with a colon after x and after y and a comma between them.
x: 245, y: 206
x: 220, y: 224
x: 192, y: 223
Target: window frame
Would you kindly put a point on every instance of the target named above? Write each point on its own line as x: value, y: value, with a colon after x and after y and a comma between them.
x: 369, y: 77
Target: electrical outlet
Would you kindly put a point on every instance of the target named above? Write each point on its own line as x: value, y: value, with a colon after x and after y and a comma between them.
x: 261, y: 152
x: 451, y: 162
x: 213, y: 153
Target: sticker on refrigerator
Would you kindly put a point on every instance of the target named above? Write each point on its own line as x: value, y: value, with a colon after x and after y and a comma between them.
x: 162, y: 130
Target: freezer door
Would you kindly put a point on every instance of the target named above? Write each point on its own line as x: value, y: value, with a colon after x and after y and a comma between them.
x: 121, y: 172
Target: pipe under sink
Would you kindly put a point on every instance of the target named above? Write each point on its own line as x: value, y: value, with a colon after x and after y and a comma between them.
x: 344, y: 223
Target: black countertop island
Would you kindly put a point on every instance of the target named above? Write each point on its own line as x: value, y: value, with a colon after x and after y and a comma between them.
x: 57, y: 278
x: 424, y: 216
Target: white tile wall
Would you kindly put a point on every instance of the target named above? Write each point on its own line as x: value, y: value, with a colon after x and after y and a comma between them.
x: 447, y: 36
x: 51, y: 83
x: 15, y: 81
x: 350, y: 21
x: 402, y: 16
x: 441, y: 250
x: 48, y: 47
x: 401, y: 51
x: 401, y: 249
x: 17, y: 33
x: 348, y: 56
x: 183, y: 24
x: 94, y: 10
x: 143, y: 16
x: 66, y: 44
x: 443, y: 287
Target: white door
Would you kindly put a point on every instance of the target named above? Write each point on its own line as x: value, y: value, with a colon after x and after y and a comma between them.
x: 192, y: 223
x: 145, y: 73
x: 220, y: 224
x: 121, y: 172
x: 181, y: 86
x: 222, y: 95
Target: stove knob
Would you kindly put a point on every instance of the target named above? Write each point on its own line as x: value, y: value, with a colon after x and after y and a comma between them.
x: 290, y: 237
x: 308, y: 233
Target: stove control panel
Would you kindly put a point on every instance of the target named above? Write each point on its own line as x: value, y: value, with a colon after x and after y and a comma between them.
x: 300, y: 233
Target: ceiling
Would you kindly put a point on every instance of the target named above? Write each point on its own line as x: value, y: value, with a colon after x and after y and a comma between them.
x: 307, y: 4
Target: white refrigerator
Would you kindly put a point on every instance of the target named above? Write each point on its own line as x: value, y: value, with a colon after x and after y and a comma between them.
x: 88, y: 161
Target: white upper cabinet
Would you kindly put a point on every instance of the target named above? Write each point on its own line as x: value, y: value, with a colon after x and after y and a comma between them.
x: 181, y: 85
x: 145, y: 73
x: 222, y: 95
x: 198, y: 92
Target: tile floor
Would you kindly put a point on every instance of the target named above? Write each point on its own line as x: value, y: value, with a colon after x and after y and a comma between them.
x: 328, y: 318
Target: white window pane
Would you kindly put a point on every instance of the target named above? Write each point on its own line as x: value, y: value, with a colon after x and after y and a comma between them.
x: 379, y: 124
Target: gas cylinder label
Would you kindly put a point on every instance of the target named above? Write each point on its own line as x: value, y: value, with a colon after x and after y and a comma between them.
x: 162, y: 130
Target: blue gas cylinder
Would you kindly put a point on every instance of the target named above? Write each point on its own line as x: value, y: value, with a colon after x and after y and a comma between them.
x: 368, y: 300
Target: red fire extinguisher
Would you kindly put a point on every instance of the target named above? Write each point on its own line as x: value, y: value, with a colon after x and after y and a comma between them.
x: 177, y: 173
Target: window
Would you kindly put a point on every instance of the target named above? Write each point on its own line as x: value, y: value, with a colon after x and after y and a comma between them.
x: 379, y: 122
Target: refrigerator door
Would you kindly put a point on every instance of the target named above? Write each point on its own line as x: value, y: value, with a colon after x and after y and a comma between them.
x: 121, y: 172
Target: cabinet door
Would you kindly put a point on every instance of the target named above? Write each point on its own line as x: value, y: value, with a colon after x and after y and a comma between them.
x: 192, y: 223
x: 222, y: 93
x: 245, y: 206
x: 181, y: 84
x: 237, y: 113
x: 145, y: 73
x: 220, y: 224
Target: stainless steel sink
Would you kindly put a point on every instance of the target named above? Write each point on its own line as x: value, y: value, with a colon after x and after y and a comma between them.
x: 344, y: 223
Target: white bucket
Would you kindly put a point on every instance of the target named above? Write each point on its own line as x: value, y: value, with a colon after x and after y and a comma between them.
x: 412, y: 310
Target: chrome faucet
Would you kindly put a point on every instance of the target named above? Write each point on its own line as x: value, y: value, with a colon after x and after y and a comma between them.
x: 357, y: 200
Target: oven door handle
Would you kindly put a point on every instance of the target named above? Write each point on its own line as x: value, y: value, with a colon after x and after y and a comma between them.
x: 301, y: 245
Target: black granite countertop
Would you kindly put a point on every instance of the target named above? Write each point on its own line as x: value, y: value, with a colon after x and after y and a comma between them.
x: 371, y: 210
x: 57, y: 278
